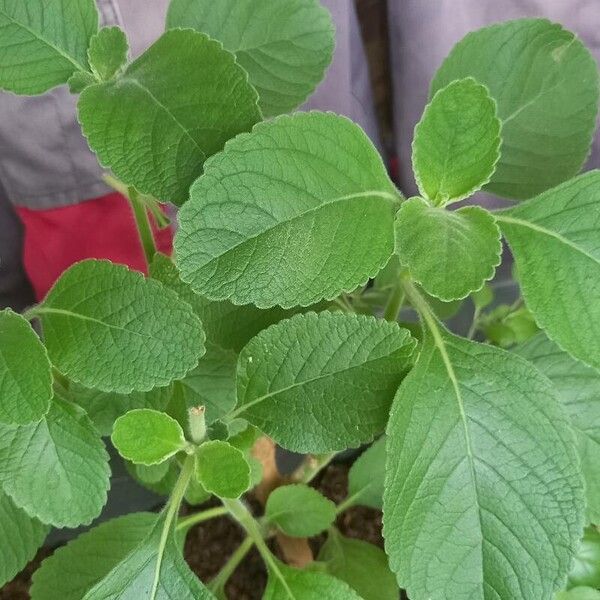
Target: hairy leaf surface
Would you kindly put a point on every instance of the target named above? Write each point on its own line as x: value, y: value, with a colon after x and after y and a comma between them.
x: 545, y: 82
x: 451, y: 254
x: 322, y: 382
x: 554, y: 238
x: 43, y: 42
x: 483, y: 480
x: 178, y: 103
x: 222, y: 469
x: 108, y: 52
x: 285, y: 46
x: 111, y: 329
x: 297, y: 211
x: 25, y: 372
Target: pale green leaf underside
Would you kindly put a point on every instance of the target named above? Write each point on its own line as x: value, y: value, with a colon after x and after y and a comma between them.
x: 104, y: 408
x: 285, y: 46
x: 222, y: 469
x: 363, y: 566
x: 156, y: 124
x: 482, y: 477
x: 108, y: 52
x: 133, y: 578
x: 450, y: 253
x: 578, y: 387
x: 111, y: 329
x: 43, y: 42
x: 21, y: 537
x: 299, y: 510
x: 287, y: 583
x: 147, y: 437
x: 322, y: 382
x: 75, y: 568
x: 57, y: 469
x: 555, y: 239
x: 25, y: 372
x: 366, y: 476
x: 545, y: 82
x: 457, y: 142
x: 295, y: 212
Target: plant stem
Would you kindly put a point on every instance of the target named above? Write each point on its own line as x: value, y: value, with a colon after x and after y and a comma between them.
x: 348, y: 502
x: 143, y: 224
x: 312, y: 465
x: 217, y: 585
x: 474, y: 324
x: 172, y: 509
x: 188, y: 522
x: 394, y: 303
x: 420, y: 305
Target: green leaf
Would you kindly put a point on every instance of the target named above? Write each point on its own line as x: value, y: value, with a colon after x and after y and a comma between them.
x: 156, y: 124
x: 363, y: 566
x: 74, y: 569
x: 322, y: 382
x: 25, y: 372
x: 579, y: 593
x: 451, y: 254
x: 212, y: 383
x: 483, y: 297
x: 366, y: 476
x: 505, y: 326
x: 457, y: 142
x: 545, y: 82
x: 79, y: 81
x: 482, y: 476
x: 222, y: 469
x: 586, y: 566
x: 151, y: 474
x: 56, y: 470
x: 226, y: 325
x: 108, y: 52
x: 287, y: 583
x: 162, y: 487
x: 578, y: 387
x: 111, y: 329
x: 285, y: 46
x: 297, y: 211
x: 43, y: 42
x: 299, y: 510
x: 153, y: 561
x: 147, y: 436
x: 554, y: 239
x: 21, y: 536
x: 104, y: 408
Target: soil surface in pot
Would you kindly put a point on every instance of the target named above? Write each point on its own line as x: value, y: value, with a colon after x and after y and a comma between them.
x: 210, y: 544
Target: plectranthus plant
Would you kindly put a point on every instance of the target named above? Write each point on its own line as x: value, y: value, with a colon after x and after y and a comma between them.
x: 286, y: 316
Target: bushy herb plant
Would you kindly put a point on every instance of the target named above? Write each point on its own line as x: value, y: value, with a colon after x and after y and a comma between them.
x: 278, y: 316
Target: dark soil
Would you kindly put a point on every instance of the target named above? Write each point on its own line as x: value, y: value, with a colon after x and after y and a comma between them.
x: 209, y: 544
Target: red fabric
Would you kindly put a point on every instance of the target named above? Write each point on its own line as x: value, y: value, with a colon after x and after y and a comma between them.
x: 54, y: 239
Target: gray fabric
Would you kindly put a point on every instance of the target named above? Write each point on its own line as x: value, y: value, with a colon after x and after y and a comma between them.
x: 422, y: 32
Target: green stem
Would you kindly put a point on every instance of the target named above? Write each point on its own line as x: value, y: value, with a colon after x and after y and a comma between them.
x: 420, y: 305
x: 348, y: 502
x: 188, y: 522
x: 474, y: 324
x: 313, y: 464
x: 142, y: 222
x: 394, y: 303
x: 172, y: 510
x: 217, y: 585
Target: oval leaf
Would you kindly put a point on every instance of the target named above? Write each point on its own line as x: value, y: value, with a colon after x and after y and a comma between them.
x: 366, y: 476
x: 111, y: 329
x: 75, y: 568
x: 451, y: 254
x: 44, y: 42
x: 22, y: 537
x: 56, y: 470
x: 457, y: 142
x: 554, y: 239
x: 25, y: 372
x: 297, y: 211
x: 322, y: 382
x: 578, y: 387
x: 545, y: 82
x: 147, y: 436
x: 482, y: 477
x: 108, y: 52
x: 222, y: 469
x: 285, y: 46
x: 156, y: 124
x: 299, y: 510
